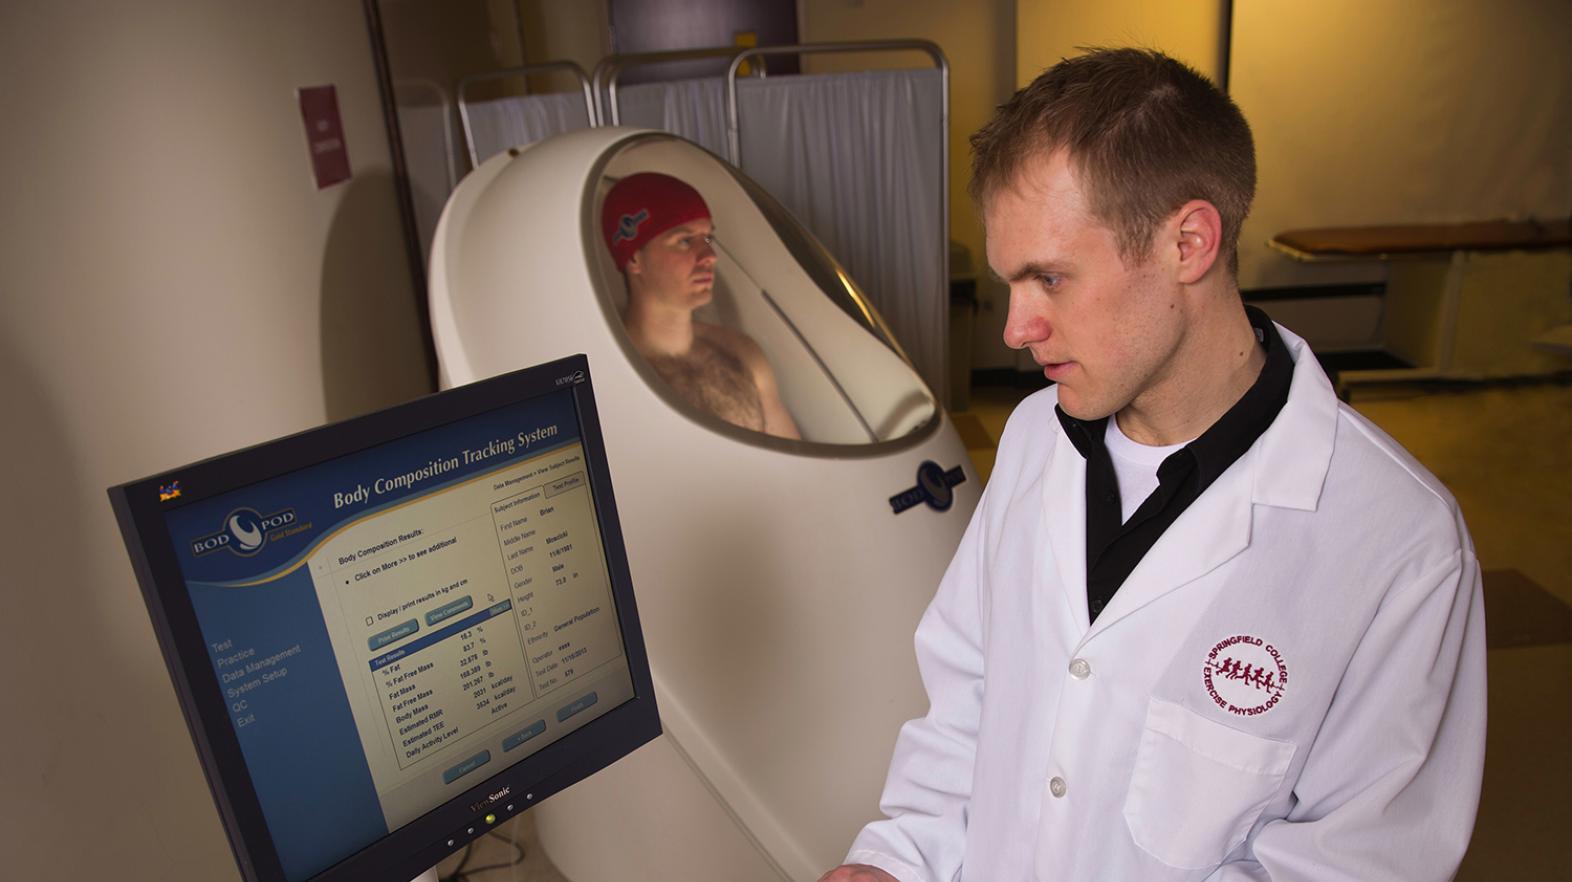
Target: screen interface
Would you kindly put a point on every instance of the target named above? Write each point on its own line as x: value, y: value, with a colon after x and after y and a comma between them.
x: 392, y: 627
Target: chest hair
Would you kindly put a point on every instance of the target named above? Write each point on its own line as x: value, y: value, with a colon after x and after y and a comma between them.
x: 713, y: 380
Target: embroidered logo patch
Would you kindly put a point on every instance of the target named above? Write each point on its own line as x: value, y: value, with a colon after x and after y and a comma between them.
x: 628, y: 225
x: 1245, y: 675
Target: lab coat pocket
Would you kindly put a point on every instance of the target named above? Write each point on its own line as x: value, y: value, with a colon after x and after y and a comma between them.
x: 1198, y: 786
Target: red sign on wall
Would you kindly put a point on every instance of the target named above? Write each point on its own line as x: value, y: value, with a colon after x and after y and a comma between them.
x: 324, y: 135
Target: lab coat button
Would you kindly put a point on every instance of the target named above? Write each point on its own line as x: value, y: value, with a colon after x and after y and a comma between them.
x: 1057, y: 787
x: 1080, y: 669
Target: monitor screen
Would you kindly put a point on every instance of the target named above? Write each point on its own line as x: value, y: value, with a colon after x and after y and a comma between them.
x: 391, y: 633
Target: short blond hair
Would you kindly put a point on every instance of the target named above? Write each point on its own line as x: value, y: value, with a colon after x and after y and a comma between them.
x: 1144, y: 133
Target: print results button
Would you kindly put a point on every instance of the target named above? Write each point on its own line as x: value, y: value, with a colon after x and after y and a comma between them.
x: 1057, y: 787
x: 1080, y: 669
x: 582, y: 704
x: 467, y: 766
x: 397, y: 632
x: 518, y: 738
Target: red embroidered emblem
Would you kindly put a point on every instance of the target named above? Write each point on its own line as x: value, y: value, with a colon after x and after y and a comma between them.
x: 1245, y: 675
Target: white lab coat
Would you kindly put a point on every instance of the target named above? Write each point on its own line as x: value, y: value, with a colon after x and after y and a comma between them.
x: 1056, y: 751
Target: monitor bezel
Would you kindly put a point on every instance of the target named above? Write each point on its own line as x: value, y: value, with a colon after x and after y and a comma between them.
x: 410, y: 850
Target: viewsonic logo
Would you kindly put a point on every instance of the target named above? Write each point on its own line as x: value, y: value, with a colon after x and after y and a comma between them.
x: 244, y: 532
x: 491, y: 800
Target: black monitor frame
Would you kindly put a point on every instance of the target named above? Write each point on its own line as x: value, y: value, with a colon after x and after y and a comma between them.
x: 410, y: 850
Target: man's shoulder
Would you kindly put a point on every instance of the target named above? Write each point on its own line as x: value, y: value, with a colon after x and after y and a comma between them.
x: 1375, y: 460
x: 1376, y: 489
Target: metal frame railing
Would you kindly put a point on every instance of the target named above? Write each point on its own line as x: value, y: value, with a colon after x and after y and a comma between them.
x: 604, y: 78
x: 450, y: 156
x: 522, y: 70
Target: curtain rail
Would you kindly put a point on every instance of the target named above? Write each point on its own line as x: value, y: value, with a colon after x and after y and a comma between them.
x: 610, y: 68
x: 523, y: 70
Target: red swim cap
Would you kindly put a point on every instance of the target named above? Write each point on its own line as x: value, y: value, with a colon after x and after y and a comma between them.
x: 641, y: 207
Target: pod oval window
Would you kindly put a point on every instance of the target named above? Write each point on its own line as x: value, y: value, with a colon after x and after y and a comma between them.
x: 776, y: 294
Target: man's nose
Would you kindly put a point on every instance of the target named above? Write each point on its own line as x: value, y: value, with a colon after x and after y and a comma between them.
x: 707, y: 250
x: 1024, y: 324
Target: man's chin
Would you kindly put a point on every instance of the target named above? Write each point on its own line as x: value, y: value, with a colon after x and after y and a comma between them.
x: 1080, y: 408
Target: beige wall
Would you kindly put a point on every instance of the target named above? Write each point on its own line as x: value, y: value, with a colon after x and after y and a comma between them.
x: 1401, y: 112
x: 564, y: 30
x: 1047, y: 31
x: 175, y: 287
x: 444, y: 41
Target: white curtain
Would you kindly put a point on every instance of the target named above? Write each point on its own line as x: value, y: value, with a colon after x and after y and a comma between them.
x: 692, y: 109
x: 856, y: 157
x: 501, y: 123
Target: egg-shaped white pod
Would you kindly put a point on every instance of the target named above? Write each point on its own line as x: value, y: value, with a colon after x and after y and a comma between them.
x: 779, y: 581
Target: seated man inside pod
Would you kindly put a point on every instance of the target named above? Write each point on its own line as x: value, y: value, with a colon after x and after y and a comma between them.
x: 661, y: 237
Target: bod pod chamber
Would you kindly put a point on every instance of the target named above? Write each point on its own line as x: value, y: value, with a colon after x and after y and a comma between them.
x: 779, y: 581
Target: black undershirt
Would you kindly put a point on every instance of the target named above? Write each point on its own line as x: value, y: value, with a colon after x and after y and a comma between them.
x: 1113, y: 549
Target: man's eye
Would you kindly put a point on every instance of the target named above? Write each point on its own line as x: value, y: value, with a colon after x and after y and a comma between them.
x: 1048, y: 280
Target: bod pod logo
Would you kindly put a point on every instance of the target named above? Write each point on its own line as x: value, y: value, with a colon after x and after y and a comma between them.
x: 245, y: 532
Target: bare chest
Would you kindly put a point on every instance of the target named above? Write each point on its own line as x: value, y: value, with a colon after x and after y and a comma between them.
x: 714, y: 380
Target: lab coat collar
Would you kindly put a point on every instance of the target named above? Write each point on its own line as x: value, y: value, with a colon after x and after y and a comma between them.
x: 1285, y: 468
x: 1064, y: 517
x: 1289, y: 463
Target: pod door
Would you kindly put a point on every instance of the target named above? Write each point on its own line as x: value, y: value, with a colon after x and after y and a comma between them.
x: 841, y: 374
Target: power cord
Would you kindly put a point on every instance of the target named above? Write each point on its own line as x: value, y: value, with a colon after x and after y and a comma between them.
x: 458, y: 872
x: 463, y: 872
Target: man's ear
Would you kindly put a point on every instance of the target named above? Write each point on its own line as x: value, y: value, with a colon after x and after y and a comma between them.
x: 634, y: 267
x: 1197, y: 239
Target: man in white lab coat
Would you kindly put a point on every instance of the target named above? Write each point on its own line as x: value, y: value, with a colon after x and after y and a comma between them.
x: 1207, y: 622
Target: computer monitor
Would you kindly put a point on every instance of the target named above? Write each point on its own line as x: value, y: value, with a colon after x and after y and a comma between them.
x: 391, y: 633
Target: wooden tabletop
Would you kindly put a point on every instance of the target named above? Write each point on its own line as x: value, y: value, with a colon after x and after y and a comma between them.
x: 1375, y: 242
